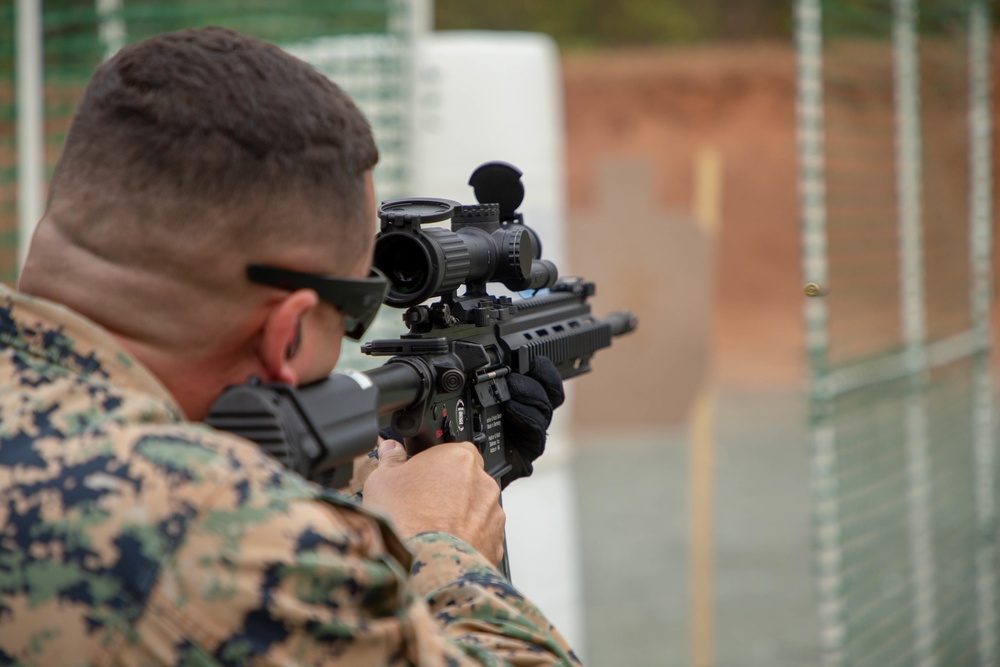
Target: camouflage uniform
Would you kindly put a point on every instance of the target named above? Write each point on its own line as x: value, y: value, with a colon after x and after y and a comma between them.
x: 131, y: 537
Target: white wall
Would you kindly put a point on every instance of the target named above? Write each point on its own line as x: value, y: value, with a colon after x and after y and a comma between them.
x: 484, y: 96
x: 479, y: 97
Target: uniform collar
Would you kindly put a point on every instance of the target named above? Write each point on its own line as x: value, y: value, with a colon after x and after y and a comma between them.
x: 52, y: 332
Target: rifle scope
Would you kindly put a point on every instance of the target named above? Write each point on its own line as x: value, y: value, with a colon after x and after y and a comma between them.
x: 424, y: 262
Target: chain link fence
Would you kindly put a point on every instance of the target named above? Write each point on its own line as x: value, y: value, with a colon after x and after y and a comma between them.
x: 895, y: 179
x: 363, y: 45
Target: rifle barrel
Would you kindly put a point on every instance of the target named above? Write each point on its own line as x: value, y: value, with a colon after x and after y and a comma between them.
x: 622, y: 322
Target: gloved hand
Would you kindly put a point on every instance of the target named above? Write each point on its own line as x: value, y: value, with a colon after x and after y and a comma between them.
x: 527, y: 415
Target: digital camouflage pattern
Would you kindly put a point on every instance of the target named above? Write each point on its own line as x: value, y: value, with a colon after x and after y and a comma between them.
x: 130, y: 537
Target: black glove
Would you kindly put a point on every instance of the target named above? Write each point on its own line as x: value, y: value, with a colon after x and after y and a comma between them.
x: 527, y: 415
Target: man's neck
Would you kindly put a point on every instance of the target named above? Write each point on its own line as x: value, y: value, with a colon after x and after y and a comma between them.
x: 195, y: 383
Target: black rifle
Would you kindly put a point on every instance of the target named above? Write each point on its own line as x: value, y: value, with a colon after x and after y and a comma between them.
x: 445, y: 379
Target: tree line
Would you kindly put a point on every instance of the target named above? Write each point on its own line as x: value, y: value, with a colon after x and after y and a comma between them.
x: 610, y: 23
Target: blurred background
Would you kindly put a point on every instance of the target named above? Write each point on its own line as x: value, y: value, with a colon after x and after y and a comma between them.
x: 753, y: 477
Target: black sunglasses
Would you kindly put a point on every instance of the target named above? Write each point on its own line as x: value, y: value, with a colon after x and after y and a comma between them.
x: 357, y: 298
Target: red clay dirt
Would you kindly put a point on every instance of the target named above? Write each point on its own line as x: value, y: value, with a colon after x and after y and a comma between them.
x: 722, y: 309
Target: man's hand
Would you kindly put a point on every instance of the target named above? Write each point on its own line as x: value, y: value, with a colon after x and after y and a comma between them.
x: 527, y: 415
x: 363, y: 466
x: 444, y: 488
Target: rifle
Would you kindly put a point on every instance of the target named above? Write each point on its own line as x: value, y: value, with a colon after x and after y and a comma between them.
x: 444, y: 380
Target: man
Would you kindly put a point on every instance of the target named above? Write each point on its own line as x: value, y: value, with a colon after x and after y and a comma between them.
x: 130, y: 535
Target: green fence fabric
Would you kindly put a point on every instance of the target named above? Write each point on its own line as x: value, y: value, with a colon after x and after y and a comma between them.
x: 896, y: 211
x: 359, y: 43
x: 8, y: 147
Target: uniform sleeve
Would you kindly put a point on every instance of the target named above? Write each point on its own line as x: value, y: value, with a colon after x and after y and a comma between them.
x: 271, y: 575
x: 478, y: 608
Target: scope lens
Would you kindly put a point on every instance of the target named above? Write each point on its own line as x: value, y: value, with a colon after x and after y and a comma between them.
x: 408, y: 277
x: 402, y: 259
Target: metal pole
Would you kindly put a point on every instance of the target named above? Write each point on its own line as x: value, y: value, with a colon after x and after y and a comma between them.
x: 812, y: 193
x: 421, y: 24
x: 980, y: 246
x: 908, y: 182
x: 111, y: 25
x: 30, y: 126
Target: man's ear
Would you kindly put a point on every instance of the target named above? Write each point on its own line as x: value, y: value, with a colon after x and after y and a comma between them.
x: 282, y: 334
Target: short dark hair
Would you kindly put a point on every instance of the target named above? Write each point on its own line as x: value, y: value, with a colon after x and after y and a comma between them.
x: 216, y: 118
